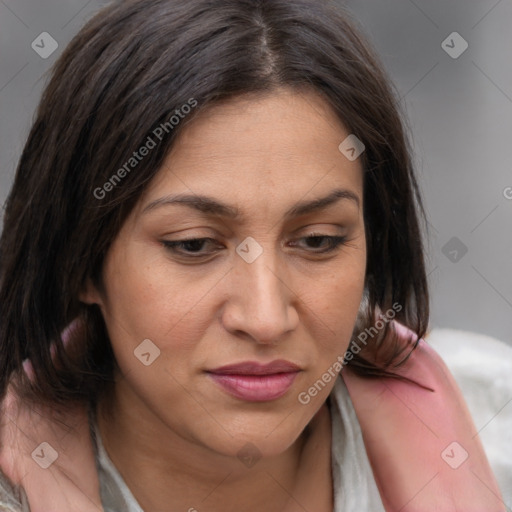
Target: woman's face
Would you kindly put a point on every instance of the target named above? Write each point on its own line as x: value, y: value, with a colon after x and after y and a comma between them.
x: 256, y: 290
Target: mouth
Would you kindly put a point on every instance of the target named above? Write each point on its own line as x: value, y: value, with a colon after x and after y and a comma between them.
x: 255, y: 382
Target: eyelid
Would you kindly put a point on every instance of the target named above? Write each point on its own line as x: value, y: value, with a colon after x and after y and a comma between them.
x: 335, y: 241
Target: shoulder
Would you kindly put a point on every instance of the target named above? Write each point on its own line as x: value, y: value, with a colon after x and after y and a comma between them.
x: 403, y: 423
x: 70, y: 480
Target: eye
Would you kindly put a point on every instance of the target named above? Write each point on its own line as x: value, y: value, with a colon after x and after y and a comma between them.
x: 333, y: 242
x: 190, y: 247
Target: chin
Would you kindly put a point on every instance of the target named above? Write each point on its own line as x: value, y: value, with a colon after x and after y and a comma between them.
x: 255, y: 438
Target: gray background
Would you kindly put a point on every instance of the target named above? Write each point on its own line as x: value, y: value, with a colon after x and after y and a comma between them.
x: 460, y: 113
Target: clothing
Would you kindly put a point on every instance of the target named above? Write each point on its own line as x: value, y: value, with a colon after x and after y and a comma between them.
x: 482, y: 367
x: 416, y: 438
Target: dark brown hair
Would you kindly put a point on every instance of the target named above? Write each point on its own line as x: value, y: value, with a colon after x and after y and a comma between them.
x: 128, y: 71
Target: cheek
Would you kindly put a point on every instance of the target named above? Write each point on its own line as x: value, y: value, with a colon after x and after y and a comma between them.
x: 147, y: 301
x: 340, y: 311
x: 338, y: 301
x: 338, y: 295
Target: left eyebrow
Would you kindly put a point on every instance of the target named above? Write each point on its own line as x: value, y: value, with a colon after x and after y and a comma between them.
x: 211, y: 206
x: 305, y: 207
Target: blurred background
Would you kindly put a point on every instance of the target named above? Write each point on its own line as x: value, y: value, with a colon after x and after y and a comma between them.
x: 451, y: 64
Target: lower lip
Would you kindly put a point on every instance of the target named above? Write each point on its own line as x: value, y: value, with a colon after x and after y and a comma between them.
x: 255, y: 388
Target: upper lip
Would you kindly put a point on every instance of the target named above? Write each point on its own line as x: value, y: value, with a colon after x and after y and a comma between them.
x: 255, y: 368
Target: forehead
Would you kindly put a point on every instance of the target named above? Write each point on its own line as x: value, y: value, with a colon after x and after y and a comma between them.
x: 258, y: 151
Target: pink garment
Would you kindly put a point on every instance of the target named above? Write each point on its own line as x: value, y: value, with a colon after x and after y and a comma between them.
x: 416, y: 440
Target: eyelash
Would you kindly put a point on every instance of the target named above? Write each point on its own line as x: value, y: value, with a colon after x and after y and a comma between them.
x: 173, y: 246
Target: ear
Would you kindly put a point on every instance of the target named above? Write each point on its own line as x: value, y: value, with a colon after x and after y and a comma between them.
x: 90, y: 294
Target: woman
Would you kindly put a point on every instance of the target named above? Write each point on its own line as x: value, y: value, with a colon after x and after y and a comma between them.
x: 214, y: 217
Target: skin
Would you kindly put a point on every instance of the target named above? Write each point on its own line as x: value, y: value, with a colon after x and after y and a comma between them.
x: 171, y: 431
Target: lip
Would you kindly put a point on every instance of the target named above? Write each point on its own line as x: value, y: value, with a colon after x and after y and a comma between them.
x: 256, y: 368
x: 255, y: 382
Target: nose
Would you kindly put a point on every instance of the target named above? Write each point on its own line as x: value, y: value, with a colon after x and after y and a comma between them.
x: 262, y: 303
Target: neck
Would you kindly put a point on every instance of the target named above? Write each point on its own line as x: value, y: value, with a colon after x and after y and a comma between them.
x: 162, y: 468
